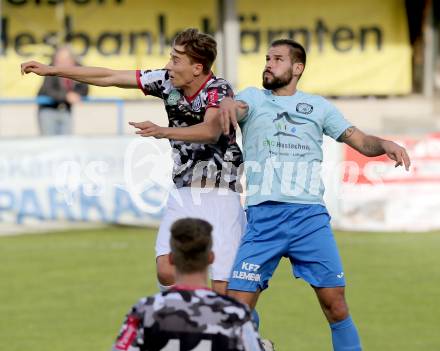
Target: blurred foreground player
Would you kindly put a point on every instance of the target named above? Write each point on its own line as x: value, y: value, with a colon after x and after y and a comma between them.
x: 189, y: 316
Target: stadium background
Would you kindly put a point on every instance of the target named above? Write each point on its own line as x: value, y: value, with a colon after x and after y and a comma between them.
x: 377, y: 60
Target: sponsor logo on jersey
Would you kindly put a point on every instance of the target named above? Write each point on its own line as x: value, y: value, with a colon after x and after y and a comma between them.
x: 212, y: 97
x: 248, y: 272
x: 284, y: 124
x: 254, y: 277
x: 174, y: 97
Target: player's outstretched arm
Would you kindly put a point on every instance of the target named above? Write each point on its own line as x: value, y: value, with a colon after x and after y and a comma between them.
x: 207, y: 132
x: 370, y: 145
x: 99, y: 76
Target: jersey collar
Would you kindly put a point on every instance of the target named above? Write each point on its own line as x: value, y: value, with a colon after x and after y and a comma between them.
x: 189, y: 287
x: 191, y: 98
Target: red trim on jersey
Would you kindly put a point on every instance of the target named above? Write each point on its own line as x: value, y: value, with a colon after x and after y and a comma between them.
x: 128, y: 335
x: 189, y: 287
x: 139, y: 83
x: 191, y: 98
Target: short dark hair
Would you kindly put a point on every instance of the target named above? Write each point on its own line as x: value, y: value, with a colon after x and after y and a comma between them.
x: 297, y: 51
x: 191, y: 243
x: 199, y: 47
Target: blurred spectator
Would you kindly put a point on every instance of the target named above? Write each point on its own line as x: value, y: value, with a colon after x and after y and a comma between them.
x: 54, y: 115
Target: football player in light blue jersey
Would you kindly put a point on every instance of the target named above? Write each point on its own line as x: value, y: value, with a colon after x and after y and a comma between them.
x: 283, y: 130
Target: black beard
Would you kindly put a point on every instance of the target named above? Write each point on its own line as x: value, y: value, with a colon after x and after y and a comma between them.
x: 277, y: 82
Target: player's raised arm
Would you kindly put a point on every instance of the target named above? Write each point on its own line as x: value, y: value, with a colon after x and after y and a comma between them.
x: 99, y: 76
x: 370, y: 145
x: 231, y: 112
x: 207, y: 132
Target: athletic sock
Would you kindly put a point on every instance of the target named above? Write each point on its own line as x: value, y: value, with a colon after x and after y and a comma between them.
x: 345, y: 336
x: 255, y: 318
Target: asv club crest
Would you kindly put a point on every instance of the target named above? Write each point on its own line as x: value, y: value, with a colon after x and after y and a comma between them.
x: 173, y: 97
x: 196, y: 104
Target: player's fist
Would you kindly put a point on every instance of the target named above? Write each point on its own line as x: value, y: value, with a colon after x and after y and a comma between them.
x: 37, y: 68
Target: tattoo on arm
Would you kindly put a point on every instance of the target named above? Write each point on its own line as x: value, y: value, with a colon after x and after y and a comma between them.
x: 372, y: 146
x: 347, y: 133
x: 242, y: 109
x: 367, y: 145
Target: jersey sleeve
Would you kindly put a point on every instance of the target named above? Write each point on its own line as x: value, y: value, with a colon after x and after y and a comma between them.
x: 152, y: 82
x: 130, y: 336
x: 217, y: 91
x: 334, y: 122
x: 248, y: 96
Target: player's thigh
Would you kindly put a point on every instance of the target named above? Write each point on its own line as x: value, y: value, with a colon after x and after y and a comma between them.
x: 314, y: 252
x: 246, y: 297
x: 222, y: 209
x: 228, y: 219
x: 219, y: 286
x: 178, y: 206
x: 256, y: 260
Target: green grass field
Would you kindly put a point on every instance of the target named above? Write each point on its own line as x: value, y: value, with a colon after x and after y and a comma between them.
x: 70, y: 291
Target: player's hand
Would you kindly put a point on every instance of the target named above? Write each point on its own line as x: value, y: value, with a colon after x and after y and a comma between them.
x: 228, y: 113
x: 147, y: 129
x: 72, y: 97
x: 37, y: 68
x: 397, y: 153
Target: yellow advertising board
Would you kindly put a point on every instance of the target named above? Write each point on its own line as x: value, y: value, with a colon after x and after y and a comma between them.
x: 119, y: 34
x: 354, y: 47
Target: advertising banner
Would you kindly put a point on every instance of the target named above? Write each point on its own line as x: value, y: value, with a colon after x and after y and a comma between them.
x: 377, y: 196
x: 124, y: 180
x: 354, y: 48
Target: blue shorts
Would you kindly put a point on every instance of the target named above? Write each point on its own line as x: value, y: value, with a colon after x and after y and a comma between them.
x: 300, y: 232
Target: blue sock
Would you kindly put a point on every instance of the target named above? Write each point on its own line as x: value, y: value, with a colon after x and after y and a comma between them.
x: 256, y: 318
x: 345, y: 336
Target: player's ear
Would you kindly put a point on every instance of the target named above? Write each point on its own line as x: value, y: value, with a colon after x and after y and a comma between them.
x: 171, y: 259
x: 298, y: 68
x: 211, y: 257
x: 197, y: 69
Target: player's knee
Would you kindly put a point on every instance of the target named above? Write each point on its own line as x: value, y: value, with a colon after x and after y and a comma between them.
x: 219, y: 286
x: 333, y: 303
x: 337, y: 310
x: 248, y: 298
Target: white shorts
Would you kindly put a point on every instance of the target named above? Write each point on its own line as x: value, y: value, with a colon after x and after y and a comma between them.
x: 221, y: 208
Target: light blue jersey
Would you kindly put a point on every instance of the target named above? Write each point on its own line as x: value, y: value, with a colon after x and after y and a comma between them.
x: 282, y: 139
